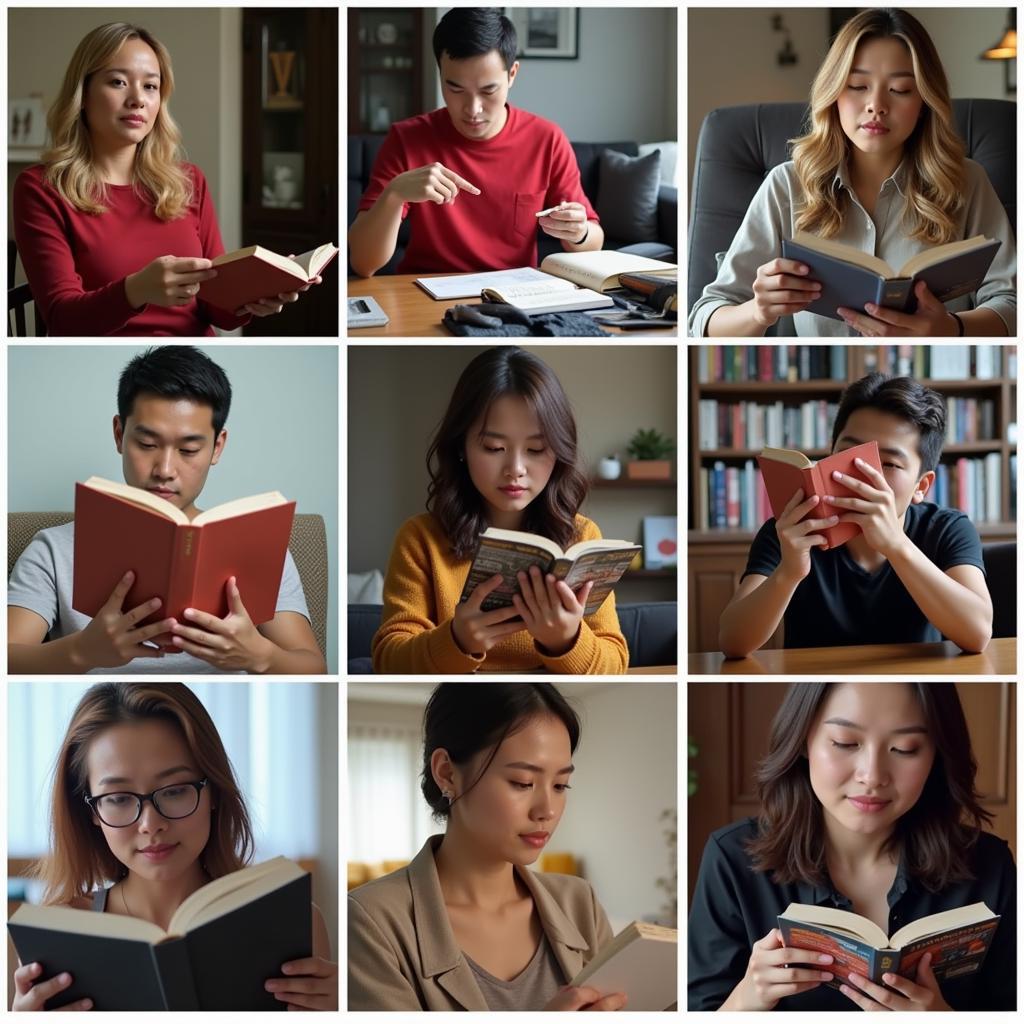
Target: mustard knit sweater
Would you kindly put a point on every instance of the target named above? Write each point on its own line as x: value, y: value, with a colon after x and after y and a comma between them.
x: 421, y: 592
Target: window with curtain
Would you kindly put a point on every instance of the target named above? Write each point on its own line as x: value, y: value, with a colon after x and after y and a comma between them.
x: 270, y: 733
x: 388, y: 817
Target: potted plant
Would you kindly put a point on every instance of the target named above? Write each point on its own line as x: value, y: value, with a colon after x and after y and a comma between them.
x: 649, y: 451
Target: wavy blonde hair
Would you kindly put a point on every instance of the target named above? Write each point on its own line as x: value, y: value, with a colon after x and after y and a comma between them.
x: 934, y: 153
x: 156, y: 171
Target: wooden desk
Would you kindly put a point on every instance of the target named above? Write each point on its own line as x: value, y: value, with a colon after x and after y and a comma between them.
x: 414, y: 314
x: 944, y: 658
x: 653, y: 670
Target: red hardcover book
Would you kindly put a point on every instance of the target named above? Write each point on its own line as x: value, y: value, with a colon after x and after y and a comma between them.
x: 785, y: 472
x: 186, y: 564
x: 253, y: 273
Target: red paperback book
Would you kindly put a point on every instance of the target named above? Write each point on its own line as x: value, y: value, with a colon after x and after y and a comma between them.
x: 186, y: 564
x: 786, y: 471
x: 253, y: 273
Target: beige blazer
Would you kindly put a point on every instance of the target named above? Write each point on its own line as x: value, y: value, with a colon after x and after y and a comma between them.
x: 402, y: 953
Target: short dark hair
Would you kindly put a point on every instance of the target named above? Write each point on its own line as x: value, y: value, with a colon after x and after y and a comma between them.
x: 466, y: 718
x: 453, y: 499
x: 903, y: 397
x: 935, y: 835
x: 473, y: 31
x: 175, y: 371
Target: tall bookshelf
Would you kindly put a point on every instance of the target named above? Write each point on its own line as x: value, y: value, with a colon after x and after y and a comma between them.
x: 717, y: 555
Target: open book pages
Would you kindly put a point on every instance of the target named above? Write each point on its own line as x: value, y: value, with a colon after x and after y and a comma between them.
x: 549, y: 296
x: 303, y: 267
x: 162, y: 507
x: 847, y: 923
x: 469, y: 286
x: 572, y: 552
x: 600, y: 269
x: 923, y: 259
x: 788, y: 455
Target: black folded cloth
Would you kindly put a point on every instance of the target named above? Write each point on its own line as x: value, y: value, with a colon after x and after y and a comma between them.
x: 472, y: 322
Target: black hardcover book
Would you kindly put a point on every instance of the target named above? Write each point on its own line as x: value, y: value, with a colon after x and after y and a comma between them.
x: 223, y: 943
x: 852, y: 278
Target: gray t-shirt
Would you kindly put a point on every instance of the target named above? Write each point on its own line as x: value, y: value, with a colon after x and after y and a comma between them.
x: 42, y: 581
x: 532, y: 989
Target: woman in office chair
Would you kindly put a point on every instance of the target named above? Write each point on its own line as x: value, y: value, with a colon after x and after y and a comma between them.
x: 880, y: 169
x: 115, y: 233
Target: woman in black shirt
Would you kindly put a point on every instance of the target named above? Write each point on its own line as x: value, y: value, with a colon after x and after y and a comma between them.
x: 869, y: 805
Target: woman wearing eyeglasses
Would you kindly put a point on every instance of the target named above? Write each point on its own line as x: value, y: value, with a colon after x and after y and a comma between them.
x: 146, y: 810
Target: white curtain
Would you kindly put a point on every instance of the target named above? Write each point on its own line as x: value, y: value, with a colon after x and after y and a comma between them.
x: 270, y: 733
x: 388, y: 817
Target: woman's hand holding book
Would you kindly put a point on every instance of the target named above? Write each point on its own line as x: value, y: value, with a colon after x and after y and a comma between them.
x: 476, y: 631
x: 769, y: 979
x: 782, y: 288
x: 932, y: 319
x: 311, y: 984
x: 168, y: 281
x: 550, y: 610
x: 924, y: 995
x: 29, y: 996
x: 583, y: 997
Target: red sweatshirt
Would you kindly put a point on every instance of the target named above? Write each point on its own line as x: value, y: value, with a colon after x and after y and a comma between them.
x: 527, y: 167
x: 77, y: 262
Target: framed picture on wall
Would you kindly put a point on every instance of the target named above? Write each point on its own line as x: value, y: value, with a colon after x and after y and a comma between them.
x: 661, y: 542
x: 550, y: 33
x: 26, y: 123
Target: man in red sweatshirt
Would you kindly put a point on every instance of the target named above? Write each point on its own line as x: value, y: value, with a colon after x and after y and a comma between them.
x: 474, y: 174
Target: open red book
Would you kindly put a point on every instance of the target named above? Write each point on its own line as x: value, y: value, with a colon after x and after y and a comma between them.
x: 253, y: 273
x: 186, y: 564
x: 786, y: 471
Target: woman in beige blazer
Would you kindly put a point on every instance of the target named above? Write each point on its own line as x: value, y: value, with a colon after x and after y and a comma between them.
x: 466, y: 926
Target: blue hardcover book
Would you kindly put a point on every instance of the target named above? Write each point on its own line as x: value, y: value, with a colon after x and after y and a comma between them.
x: 852, y: 278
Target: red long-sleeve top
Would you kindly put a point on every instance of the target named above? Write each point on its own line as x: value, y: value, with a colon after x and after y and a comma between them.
x: 77, y: 262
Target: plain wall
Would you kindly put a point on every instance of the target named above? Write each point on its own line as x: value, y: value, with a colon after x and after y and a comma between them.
x: 742, y: 41
x: 206, y: 55
x: 282, y: 431
x: 621, y: 88
x: 398, y: 394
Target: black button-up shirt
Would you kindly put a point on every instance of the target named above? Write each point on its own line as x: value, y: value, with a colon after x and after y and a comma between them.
x: 734, y: 906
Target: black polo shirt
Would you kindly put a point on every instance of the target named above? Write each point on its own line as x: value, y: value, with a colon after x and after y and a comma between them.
x: 839, y: 603
x: 734, y: 906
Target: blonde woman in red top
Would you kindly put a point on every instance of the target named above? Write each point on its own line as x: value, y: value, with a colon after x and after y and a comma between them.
x: 115, y: 232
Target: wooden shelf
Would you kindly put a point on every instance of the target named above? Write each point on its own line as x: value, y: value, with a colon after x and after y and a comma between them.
x: 732, y: 535
x: 627, y: 483
x: 769, y: 387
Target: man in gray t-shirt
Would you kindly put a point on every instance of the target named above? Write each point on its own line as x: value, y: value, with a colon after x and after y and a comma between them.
x: 172, y: 405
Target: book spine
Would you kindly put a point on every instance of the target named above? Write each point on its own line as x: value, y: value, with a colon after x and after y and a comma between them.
x: 896, y: 294
x: 184, y: 569
x: 174, y: 972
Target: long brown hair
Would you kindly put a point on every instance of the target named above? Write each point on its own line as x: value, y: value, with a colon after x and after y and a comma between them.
x: 934, y: 153
x: 935, y: 835
x: 452, y: 497
x: 79, y: 859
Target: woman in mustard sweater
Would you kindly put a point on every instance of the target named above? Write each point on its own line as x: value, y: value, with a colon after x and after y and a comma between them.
x: 505, y: 456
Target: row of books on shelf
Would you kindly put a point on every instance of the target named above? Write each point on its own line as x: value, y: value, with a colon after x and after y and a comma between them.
x: 734, y: 497
x: 791, y: 363
x: 940, y: 362
x: 771, y: 363
x: 753, y: 425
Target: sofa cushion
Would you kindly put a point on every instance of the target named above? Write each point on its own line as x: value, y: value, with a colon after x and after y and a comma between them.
x: 627, y: 197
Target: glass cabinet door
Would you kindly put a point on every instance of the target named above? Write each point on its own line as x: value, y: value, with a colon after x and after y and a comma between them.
x: 283, y: 100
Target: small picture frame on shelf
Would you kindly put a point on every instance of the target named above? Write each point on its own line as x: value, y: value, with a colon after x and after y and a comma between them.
x: 661, y: 542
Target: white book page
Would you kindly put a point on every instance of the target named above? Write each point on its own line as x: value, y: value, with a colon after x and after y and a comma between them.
x: 463, y: 286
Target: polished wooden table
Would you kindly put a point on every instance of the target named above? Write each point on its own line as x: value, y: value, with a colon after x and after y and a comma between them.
x: 414, y: 314
x: 653, y: 670
x: 943, y: 658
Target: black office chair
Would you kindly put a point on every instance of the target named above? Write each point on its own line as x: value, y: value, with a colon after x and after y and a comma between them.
x: 738, y: 146
x: 1001, y: 577
x: 18, y: 297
